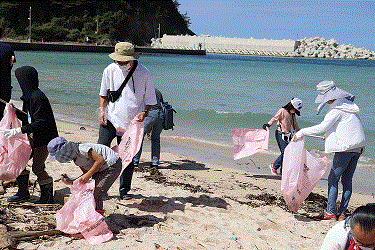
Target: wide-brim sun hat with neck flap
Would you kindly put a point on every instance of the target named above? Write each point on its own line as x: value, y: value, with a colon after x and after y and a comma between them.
x: 124, y: 52
x: 55, y: 145
x: 328, y: 91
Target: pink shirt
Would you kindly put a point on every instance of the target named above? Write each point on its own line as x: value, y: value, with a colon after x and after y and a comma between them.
x: 284, y: 121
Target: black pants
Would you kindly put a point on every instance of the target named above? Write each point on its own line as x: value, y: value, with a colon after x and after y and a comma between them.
x: 106, y: 134
x: 38, y: 167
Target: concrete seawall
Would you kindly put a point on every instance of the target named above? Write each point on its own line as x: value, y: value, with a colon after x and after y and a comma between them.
x: 20, y: 46
x: 225, y: 45
x: 308, y: 47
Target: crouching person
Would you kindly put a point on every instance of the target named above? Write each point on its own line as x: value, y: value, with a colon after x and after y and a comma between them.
x: 95, y: 160
x: 39, y: 122
x: 355, y: 233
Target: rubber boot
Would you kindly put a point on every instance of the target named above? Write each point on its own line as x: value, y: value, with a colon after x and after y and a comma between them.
x: 46, y: 194
x: 23, y: 189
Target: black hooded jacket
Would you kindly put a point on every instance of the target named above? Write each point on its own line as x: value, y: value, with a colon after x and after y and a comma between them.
x: 35, y: 102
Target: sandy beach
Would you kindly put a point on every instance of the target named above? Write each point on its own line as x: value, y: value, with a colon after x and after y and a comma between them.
x: 189, y: 204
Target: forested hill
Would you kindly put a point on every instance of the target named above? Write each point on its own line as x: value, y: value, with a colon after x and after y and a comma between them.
x: 104, y: 22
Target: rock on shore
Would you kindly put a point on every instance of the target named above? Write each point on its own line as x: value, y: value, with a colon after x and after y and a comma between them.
x: 321, y: 48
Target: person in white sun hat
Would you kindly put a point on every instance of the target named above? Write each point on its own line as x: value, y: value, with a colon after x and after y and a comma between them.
x: 285, y: 119
x: 344, y: 136
x: 127, y: 91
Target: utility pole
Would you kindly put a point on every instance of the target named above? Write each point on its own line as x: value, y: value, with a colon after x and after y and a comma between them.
x: 30, y: 25
x: 97, y: 25
x: 159, y: 31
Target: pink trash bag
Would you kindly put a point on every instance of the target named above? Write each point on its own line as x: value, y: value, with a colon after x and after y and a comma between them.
x: 131, y: 142
x: 14, y: 152
x: 249, y: 141
x: 78, y: 215
x: 302, y: 170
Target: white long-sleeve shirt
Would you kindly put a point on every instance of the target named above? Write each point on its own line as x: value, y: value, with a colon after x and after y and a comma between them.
x: 343, y: 128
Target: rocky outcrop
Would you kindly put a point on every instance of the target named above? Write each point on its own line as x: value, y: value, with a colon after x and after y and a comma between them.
x: 321, y: 48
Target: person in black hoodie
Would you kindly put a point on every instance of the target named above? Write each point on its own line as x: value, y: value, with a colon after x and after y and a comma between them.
x: 39, y: 122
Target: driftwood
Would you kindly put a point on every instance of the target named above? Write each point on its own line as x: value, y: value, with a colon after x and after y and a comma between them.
x: 9, y: 239
x: 30, y: 235
x: 26, y: 222
x: 29, y: 205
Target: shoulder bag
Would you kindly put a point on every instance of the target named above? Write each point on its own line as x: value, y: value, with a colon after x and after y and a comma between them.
x: 114, y: 95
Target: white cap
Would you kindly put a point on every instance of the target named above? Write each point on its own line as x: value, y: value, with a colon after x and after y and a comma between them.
x: 297, y: 103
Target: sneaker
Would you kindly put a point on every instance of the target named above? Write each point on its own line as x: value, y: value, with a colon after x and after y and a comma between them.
x: 273, y: 171
x: 341, y: 217
x: 126, y: 197
x: 325, y: 216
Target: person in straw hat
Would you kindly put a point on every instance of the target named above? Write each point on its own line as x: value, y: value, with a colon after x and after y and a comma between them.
x: 134, y: 100
x: 344, y: 136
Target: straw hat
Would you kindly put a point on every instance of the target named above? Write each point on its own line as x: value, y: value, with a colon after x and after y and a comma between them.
x: 124, y: 51
x: 327, y: 91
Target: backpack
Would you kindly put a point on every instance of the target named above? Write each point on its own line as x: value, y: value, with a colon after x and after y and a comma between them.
x: 167, y: 111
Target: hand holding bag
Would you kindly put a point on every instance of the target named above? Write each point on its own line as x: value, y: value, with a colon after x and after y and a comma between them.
x: 14, y: 152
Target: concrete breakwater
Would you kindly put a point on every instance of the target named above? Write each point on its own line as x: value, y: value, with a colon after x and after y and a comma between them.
x: 321, y: 48
x: 225, y: 45
x: 307, y: 47
x: 22, y: 46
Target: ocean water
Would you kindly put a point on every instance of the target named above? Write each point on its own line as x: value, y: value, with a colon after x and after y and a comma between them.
x: 212, y: 94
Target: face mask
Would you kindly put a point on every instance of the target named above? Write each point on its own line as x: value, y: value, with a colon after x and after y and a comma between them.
x: 125, y: 66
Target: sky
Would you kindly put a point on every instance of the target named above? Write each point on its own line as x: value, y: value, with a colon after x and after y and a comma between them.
x: 349, y: 22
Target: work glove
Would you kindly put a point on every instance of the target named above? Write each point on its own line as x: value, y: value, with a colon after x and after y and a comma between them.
x: 8, y: 133
x: 265, y: 126
x: 102, y: 116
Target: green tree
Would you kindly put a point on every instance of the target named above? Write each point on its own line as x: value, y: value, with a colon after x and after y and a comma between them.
x: 136, y: 21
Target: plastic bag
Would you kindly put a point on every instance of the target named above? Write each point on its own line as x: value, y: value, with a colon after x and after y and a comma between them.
x: 301, y: 172
x: 131, y: 142
x: 78, y: 215
x: 14, y: 152
x: 249, y: 141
